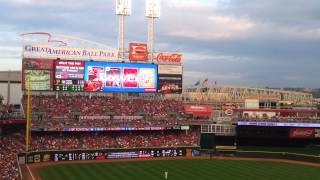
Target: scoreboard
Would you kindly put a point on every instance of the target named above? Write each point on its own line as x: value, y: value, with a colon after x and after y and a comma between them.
x: 69, y: 75
x: 97, y: 76
x: 120, y: 77
x: 68, y: 85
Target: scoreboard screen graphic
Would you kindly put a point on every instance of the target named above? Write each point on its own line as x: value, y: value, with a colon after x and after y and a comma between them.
x: 69, y: 69
x: 120, y: 77
x: 69, y: 75
x: 40, y: 80
x: 40, y: 73
x: 68, y: 85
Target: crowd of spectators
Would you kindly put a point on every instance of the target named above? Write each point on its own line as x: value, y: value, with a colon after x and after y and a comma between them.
x: 7, y: 112
x: 103, y: 140
x: 10, y: 145
x: 66, y: 111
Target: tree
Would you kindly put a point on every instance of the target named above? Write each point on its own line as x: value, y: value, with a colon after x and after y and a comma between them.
x: 1, y: 99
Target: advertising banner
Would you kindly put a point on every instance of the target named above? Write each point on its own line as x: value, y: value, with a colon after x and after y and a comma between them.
x: 37, y: 64
x: 197, y: 110
x: 120, y: 77
x: 169, y: 58
x: 53, y: 52
x: 98, y: 129
x: 169, y: 69
x: 138, y: 52
x: 47, y: 156
x: 277, y: 124
x: 259, y: 114
x: 169, y: 84
x: 169, y: 78
x: 302, y: 133
x: 39, y: 71
x: 40, y: 80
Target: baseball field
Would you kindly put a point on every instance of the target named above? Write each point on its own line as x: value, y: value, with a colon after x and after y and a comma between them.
x: 181, y: 170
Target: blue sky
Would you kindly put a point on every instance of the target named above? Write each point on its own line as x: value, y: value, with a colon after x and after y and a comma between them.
x: 273, y: 43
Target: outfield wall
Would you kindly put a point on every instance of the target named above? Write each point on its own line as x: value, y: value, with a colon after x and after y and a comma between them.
x: 74, y: 155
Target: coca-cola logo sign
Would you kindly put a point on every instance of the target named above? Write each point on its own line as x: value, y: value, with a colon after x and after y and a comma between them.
x: 169, y: 58
x: 302, y: 132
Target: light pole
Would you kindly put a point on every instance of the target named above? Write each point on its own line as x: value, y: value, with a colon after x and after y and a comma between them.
x: 152, y: 12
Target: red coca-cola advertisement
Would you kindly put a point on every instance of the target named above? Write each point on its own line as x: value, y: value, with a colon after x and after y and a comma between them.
x: 302, y: 133
x: 167, y: 57
x: 198, y: 110
x: 138, y: 52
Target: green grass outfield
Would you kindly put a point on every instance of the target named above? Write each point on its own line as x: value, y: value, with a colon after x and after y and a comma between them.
x: 181, y: 170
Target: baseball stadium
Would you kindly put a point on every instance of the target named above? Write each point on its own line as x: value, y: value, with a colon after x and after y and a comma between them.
x: 79, y: 109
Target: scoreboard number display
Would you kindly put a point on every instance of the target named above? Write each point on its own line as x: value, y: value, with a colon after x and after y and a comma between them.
x: 68, y: 85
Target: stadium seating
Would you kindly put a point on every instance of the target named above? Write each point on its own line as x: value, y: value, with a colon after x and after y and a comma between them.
x: 103, y: 140
x: 7, y: 112
x: 13, y: 143
x: 10, y: 145
x: 66, y: 111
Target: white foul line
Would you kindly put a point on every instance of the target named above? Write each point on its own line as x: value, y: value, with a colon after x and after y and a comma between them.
x: 30, y: 172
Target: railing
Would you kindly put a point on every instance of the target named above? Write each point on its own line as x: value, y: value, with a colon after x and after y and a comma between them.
x: 20, y: 173
x: 219, y: 129
x: 10, y: 116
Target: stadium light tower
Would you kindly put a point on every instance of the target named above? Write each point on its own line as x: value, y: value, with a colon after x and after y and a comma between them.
x: 123, y: 8
x: 152, y: 12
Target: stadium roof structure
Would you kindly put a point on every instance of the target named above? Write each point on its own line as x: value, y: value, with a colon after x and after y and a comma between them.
x: 283, y: 110
x: 45, y: 38
x: 239, y: 94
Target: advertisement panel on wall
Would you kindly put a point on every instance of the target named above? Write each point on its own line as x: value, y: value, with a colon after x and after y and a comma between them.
x: 40, y: 80
x: 138, y: 52
x: 169, y: 58
x: 169, y: 69
x: 277, y: 124
x: 69, y: 75
x: 120, y: 77
x: 169, y: 83
x: 302, y: 133
x: 169, y: 78
x: 30, y: 64
x: 39, y: 71
x: 198, y: 110
x: 47, y: 156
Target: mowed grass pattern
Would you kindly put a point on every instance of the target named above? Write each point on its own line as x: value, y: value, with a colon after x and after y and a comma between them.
x: 181, y: 170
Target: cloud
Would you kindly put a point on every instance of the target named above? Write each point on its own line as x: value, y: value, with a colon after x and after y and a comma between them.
x: 208, y: 24
x: 215, y: 27
x: 241, y: 42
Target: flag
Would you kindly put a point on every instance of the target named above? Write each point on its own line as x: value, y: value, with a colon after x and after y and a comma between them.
x: 205, y: 83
